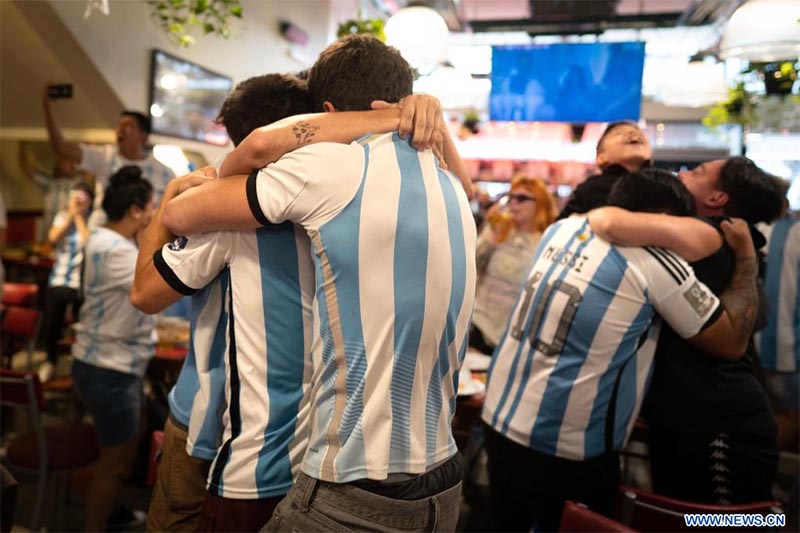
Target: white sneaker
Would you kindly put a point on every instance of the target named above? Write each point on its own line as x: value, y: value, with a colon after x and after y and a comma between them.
x: 46, y: 371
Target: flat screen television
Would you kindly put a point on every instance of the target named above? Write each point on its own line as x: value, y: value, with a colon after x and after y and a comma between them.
x: 594, y: 82
x: 185, y: 99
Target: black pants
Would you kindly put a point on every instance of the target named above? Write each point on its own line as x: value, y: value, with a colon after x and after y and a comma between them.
x: 528, y: 489
x: 478, y: 341
x: 55, y: 309
x: 717, y: 468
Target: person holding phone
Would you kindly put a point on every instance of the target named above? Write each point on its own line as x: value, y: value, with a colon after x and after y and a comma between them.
x: 131, y: 132
x: 68, y: 234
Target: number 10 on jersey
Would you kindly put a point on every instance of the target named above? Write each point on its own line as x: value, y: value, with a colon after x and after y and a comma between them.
x: 556, y: 301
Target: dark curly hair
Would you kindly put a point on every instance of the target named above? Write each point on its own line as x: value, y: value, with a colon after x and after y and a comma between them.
x: 652, y: 190
x: 753, y: 194
x: 126, y: 187
x: 357, y: 69
x: 262, y: 100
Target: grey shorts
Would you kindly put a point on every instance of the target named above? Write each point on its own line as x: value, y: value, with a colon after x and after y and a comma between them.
x: 114, y: 399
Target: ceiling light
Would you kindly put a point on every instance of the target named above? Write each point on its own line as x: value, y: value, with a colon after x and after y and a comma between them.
x: 763, y: 30
x: 420, y: 34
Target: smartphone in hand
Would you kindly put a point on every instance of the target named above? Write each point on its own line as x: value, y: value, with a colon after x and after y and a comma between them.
x: 61, y: 90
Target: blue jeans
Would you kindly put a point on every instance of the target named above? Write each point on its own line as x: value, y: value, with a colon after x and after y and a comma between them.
x: 114, y: 399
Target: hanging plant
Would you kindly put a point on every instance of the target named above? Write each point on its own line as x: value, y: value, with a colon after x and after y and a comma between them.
x: 359, y: 25
x: 177, y: 18
x: 737, y: 109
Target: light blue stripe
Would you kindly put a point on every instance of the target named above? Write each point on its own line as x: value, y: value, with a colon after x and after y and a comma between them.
x: 524, y: 344
x: 768, y: 345
x: 594, y: 441
x: 458, y: 282
x: 283, y: 323
x: 209, y: 438
x: 594, y: 303
x: 626, y: 402
x: 340, y: 238
x: 410, y: 272
x: 182, y: 395
x: 97, y: 309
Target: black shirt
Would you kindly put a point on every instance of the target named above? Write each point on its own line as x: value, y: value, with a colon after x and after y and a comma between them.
x: 696, y: 393
x: 593, y: 192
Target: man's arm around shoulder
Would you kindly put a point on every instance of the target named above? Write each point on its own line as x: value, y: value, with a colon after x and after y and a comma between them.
x: 151, y: 293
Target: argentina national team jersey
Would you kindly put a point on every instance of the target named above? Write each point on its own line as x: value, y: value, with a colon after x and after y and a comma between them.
x: 197, y: 407
x: 66, y: 270
x: 569, y: 374
x: 779, y: 342
x: 267, y: 292
x: 394, y: 247
x: 111, y: 332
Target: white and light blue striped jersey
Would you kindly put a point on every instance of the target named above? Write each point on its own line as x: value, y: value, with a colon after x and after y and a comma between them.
x: 569, y: 374
x: 394, y: 253
x: 111, y: 332
x: 269, y: 323
x: 779, y: 343
x: 104, y: 160
x: 198, y: 408
x: 66, y: 270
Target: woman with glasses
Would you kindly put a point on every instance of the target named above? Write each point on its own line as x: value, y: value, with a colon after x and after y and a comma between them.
x: 505, y: 250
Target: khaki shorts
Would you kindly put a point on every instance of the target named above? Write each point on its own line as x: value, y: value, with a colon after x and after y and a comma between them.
x: 180, y: 485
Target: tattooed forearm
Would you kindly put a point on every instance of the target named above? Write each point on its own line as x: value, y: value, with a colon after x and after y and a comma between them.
x: 304, y: 132
x: 740, y: 298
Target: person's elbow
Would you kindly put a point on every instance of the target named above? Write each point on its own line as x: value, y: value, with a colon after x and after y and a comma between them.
x: 173, y: 219
x: 143, y: 301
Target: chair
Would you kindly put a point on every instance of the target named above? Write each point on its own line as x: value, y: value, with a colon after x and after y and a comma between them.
x: 44, y: 450
x: 647, y: 511
x: 19, y: 327
x: 21, y: 294
x: 578, y: 519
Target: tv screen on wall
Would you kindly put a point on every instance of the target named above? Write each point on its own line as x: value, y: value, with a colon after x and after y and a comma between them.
x: 595, y: 82
x: 185, y: 99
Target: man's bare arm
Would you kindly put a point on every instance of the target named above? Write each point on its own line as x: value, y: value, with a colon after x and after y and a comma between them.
x: 728, y: 336
x: 151, y: 293
x: 269, y: 143
x: 214, y: 206
x: 63, y: 148
x: 688, y: 237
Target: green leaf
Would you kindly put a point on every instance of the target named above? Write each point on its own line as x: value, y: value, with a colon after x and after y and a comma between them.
x: 176, y: 28
x: 236, y: 11
x: 208, y: 28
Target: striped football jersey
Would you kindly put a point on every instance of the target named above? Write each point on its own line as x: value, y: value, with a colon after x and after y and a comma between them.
x: 267, y: 299
x: 394, y: 247
x: 569, y: 374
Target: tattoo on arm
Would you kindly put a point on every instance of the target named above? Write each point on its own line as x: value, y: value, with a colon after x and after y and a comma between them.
x: 740, y: 297
x: 304, y: 132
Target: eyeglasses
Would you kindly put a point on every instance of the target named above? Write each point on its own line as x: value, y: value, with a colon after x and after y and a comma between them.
x: 520, y: 198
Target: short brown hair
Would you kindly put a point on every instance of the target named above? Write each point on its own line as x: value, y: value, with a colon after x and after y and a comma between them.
x: 262, y: 100
x: 357, y: 69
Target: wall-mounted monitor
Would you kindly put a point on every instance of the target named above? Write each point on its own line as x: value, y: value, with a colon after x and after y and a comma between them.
x: 595, y: 82
x: 185, y: 99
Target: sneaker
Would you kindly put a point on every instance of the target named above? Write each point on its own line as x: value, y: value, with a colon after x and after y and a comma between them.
x: 46, y: 371
x: 123, y: 518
